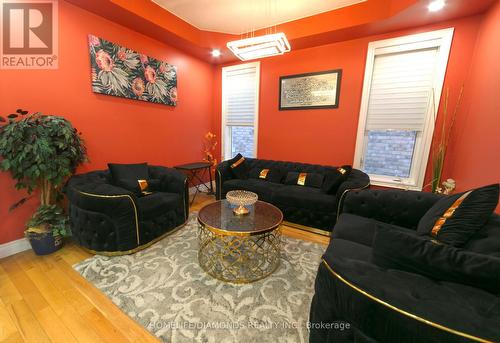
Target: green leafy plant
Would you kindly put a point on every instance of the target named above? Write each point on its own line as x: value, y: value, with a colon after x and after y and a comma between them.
x: 49, y: 216
x: 41, y: 152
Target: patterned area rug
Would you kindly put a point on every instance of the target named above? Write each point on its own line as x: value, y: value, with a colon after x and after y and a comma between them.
x: 164, y: 289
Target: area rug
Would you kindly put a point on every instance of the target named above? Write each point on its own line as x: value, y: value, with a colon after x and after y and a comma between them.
x: 164, y: 289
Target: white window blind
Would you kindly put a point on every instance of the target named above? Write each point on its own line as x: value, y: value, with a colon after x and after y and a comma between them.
x: 240, y: 92
x: 240, y: 107
x: 401, y: 90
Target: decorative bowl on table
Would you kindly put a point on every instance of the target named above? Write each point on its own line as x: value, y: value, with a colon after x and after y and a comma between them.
x: 241, y: 199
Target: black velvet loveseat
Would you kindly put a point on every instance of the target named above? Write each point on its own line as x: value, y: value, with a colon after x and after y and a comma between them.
x: 111, y: 220
x: 357, y: 301
x: 304, y: 207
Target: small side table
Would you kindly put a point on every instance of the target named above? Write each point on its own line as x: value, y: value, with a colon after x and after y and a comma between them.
x: 196, y: 172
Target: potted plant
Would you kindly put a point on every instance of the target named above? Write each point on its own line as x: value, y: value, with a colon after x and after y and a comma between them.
x: 440, y: 148
x: 41, y: 152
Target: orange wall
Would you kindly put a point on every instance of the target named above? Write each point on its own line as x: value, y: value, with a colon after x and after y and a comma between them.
x: 115, y: 129
x: 474, y: 155
x: 329, y: 136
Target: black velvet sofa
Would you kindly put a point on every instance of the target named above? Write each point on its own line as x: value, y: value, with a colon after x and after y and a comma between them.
x: 109, y: 220
x: 357, y: 301
x: 303, y: 207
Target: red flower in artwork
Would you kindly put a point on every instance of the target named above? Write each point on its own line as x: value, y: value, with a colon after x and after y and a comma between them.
x: 94, y: 41
x: 150, y: 74
x: 104, y: 61
x: 143, y: 58
x: 138, y: 86
x: 173, y: 94
x: 122, y: 55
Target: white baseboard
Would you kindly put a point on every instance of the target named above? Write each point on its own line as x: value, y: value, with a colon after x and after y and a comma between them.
x: 207, y: 184
x: 11, y: 248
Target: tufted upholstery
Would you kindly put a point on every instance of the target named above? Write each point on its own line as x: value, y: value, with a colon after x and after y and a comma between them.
x: 111, y: 220
x: 300, y: 205
x: 347, y: 264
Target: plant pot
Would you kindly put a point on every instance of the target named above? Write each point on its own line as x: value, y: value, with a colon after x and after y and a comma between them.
x: 43, y: 242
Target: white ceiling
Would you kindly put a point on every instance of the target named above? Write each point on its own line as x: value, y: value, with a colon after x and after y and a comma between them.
x: 241, y: 16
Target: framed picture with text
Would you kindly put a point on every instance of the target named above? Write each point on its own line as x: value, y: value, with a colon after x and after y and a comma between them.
x: 310, y: 91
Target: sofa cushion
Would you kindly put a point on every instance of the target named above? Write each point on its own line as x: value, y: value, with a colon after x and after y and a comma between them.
x: 486, y: 240
x: 304, y: 197
x: 304, y: 179
x: 334, y: 178
x: 264, y: 189
x: 266, y: 174
x: 342, y: 248
x: 135, y: 185
x: 360, y: 229
x: 157, y: 204
x: 423, y: 255
x: 458, y: 307
x: 239, y: 167
x: 133, y: 172
x: 455, y: 218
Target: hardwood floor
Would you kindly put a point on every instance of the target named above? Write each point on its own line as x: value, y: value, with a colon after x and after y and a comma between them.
x: 42, y: 299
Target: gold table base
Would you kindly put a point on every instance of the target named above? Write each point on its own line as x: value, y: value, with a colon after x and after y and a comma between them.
x: 238, y: 259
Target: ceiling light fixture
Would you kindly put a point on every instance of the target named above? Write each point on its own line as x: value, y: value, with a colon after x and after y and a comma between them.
x: 216, y: 52
x: 260, y: 46
x: 436, y: 5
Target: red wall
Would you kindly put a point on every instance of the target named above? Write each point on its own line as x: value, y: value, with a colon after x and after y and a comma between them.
x: 115, y: 129
x: 329, y: 136
x: 474, y: 155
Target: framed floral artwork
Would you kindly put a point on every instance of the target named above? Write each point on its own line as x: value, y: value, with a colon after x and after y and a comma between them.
x: 119, y: 71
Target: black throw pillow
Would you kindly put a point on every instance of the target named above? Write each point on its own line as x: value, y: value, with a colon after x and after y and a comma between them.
x: 131, y: 172
x: 395, y: 249
x: 455, y: 218
x: 334, y: 178
x: 304, y: 179
x: 140, y: 187
x: 266, y: 174
x: 239, y: 167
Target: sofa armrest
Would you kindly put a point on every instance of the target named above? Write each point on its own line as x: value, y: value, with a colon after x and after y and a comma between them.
x: 357, y: 180
x: 396, y: 207
x: 222, y: 174
x: 115, y: 203
x: 172, y: 181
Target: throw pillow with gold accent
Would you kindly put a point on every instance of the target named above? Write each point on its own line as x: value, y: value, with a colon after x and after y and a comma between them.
x: 304, y: 179
x: 334, y: 178
x: 139, y: 187
x: 239, y: 167
x: 266, y: 174
x: 455, y: 218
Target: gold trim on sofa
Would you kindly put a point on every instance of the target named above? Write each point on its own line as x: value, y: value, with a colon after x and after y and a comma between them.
x: 186, y: 217
x: 307, y: 228
x: 403, y: 312
x: 120, y: 196
x: 136, y: 249
x: 344, y: 194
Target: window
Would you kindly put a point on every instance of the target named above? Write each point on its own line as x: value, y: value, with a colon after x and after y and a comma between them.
x: 401, y: 92
x: 240, y: 104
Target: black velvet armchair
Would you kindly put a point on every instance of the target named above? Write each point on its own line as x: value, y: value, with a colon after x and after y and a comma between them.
x: 109, y: 220
x: 356, y: 300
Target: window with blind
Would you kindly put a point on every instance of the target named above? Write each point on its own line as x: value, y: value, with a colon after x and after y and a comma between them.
x: 240, y: 104
x: 403, y: 83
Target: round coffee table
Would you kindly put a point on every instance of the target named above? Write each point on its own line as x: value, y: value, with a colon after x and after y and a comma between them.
x: 239, y: 249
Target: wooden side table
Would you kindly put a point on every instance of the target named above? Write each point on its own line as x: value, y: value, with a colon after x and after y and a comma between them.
x: 195, y: 173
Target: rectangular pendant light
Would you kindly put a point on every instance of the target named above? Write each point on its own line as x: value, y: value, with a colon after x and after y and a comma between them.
x: 260, y: 46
